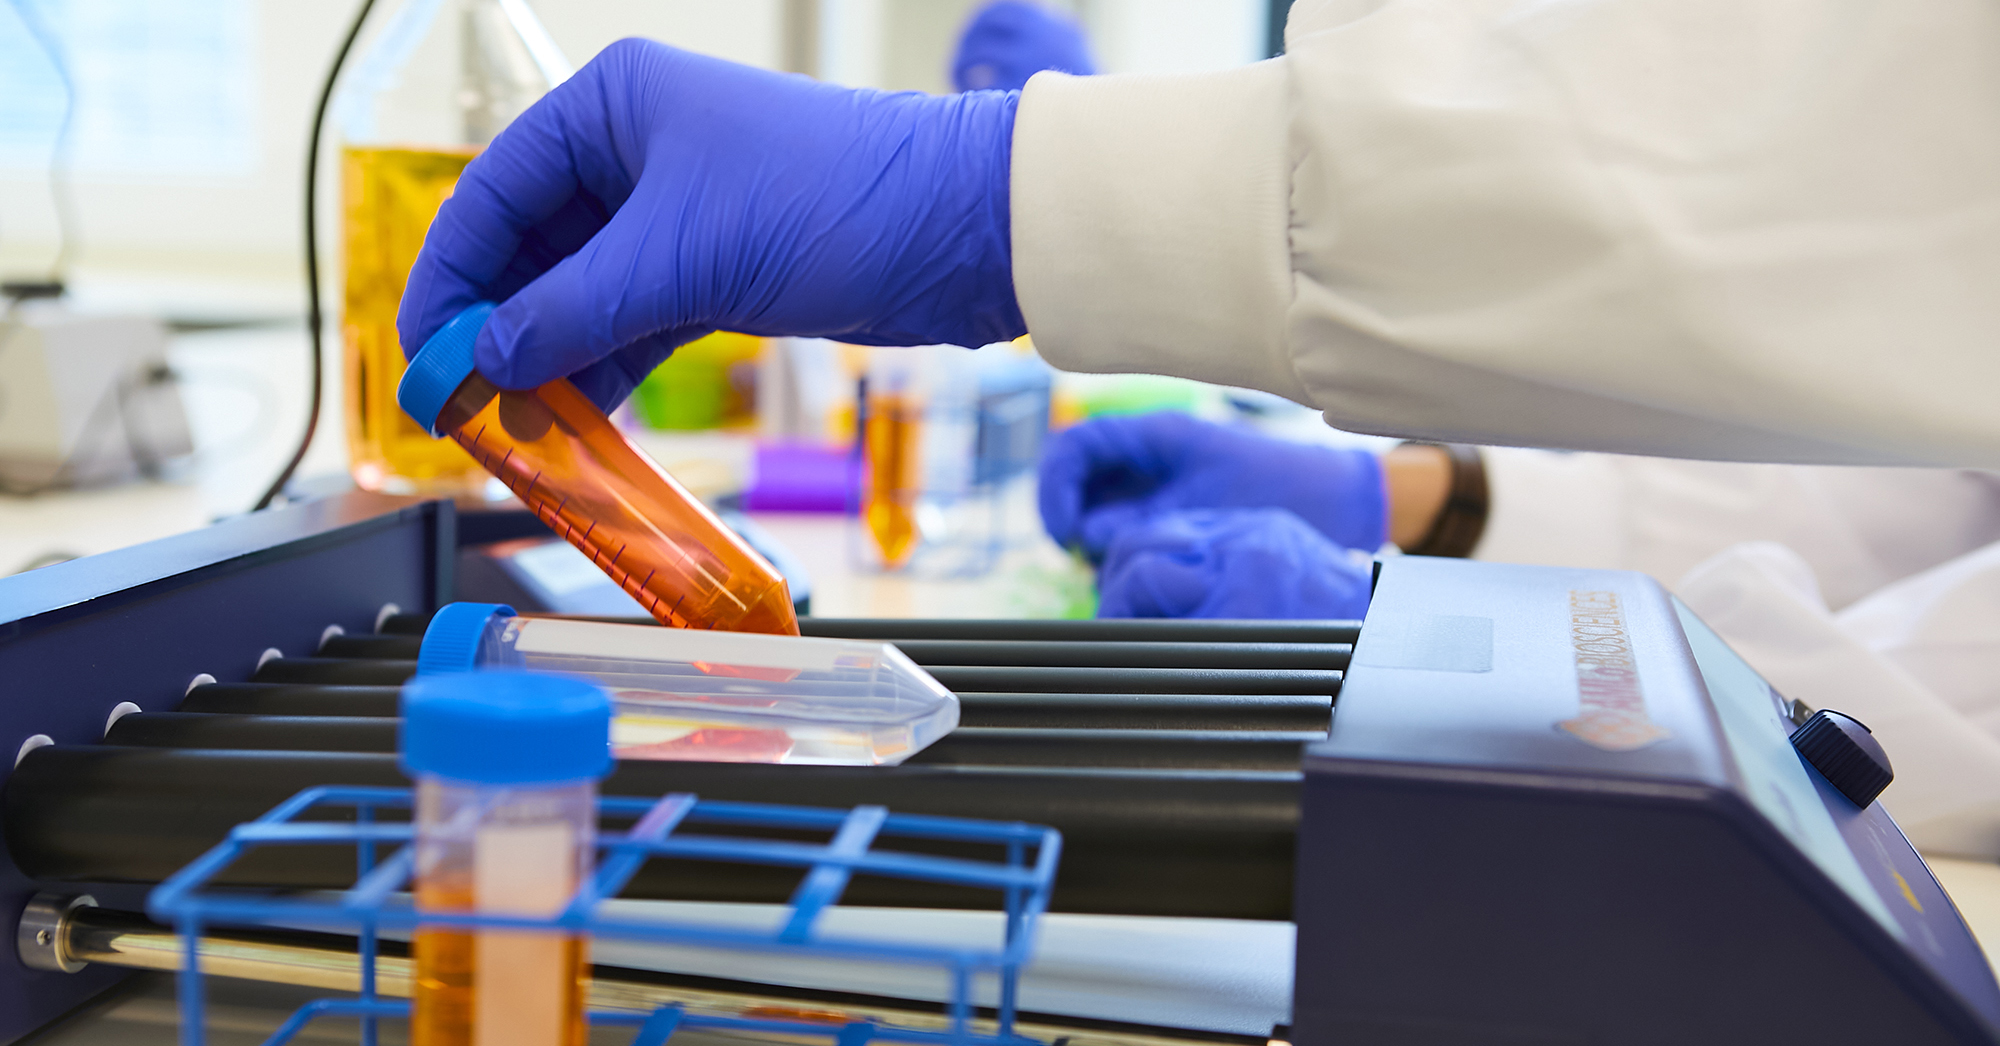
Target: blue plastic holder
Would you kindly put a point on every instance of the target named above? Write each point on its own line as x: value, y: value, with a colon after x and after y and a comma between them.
x: 374, y: 903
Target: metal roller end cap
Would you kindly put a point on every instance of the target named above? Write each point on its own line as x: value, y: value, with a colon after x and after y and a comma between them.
x: 43, y: 939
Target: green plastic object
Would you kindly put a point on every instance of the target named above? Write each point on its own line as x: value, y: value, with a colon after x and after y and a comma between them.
x: 706, y: 384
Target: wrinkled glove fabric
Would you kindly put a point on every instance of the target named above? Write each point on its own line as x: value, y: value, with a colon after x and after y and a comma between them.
x: 659, y: 195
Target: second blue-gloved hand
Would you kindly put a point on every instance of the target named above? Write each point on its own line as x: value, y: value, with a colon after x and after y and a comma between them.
x: 1107, y: 475
x: 1008, y: 41
x: 659, y: 195
x: 1238, y: 563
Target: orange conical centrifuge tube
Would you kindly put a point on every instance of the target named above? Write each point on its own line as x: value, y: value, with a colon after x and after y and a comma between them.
x: 891, y: 434
x: 562, y: 457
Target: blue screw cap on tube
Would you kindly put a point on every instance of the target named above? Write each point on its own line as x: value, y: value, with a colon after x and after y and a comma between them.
x: 506, y: 727
x: 441, y: 366
x: 451, y: 641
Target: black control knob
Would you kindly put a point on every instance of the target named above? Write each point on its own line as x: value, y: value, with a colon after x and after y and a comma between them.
x: 1846, y: 754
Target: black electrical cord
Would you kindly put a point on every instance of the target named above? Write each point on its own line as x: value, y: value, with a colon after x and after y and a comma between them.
x: 314, y: 320
x: 60, y: 193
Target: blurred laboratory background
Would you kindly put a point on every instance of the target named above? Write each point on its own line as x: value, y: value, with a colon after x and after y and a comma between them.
x: 155, y: 359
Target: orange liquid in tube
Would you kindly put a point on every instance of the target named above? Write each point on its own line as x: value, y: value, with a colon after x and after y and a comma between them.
x: 565, y: 460
x: 888, y: 506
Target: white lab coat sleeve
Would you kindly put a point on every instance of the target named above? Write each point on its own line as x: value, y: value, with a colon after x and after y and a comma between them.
x: 1858, y: 528
x: 1691, y: 228
x: 1915, y: 665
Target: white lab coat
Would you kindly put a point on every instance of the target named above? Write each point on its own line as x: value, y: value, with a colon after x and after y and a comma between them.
x: 1872, y: 591
x: 1696, y: 228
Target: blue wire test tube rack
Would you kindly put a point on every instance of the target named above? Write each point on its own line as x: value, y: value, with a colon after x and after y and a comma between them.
x: 191, y: 903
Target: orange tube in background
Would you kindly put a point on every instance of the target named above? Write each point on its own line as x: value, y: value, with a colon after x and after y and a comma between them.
x: 565, y: 460
x: 892, y: 435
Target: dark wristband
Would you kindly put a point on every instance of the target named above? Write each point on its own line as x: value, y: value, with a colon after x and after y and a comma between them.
x: 1462, y: 520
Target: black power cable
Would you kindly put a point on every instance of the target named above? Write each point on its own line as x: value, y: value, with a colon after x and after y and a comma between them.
x: 314, y: 320
x: 61, y: 195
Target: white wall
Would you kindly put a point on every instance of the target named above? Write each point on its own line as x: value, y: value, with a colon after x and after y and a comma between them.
x: 249, y: 222
x: 907, y: 44
x: 1174, y: 36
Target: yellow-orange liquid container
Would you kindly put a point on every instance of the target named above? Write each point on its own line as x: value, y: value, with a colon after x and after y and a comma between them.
x: 388, y: 198
x: 562, y: 457
x: 892, y: 434
x: 506, y: 767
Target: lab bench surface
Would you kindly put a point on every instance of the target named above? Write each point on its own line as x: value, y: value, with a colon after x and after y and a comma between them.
x: 142, y: 1012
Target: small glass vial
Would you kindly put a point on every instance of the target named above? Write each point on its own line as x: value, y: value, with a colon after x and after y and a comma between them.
x: 506, y: 765
x: 717, y: 697
x: 565, y: 460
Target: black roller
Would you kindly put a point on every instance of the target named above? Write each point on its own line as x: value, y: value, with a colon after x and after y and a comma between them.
x: 378, y: 647
x: 278, y: 733
x: 1136, y: 749
x: 1288, y: 712
x: 294, y: 699
x: 335, y: 671
x: 357, y: 672
x: 1319, y: 683
x: 1125, y: 630
x: 1188, y: 843
x: 967, y: 746
x: 1128, y: 630
x: 1090, y: 653
x: 404, y: 625
x: 932, y: 653
x: 1285, y: 712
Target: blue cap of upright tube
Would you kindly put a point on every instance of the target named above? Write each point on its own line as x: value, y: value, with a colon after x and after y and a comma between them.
x: 451, y: 641
x: 441, y: 366
x: 506, y: 727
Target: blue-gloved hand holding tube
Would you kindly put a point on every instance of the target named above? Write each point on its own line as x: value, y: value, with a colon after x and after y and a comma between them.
x: 1231, y: 563
x: 659, y: 195
x: 1110, y: 475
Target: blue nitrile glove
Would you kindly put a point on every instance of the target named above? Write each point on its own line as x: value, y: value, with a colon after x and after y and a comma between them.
x: 658, y: 195
x: 1011, y: 40
x: 1107, y: 475
x: 1241, y: 563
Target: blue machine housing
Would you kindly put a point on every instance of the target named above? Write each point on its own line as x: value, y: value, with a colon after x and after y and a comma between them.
x: 138, y: 624
x: 1555, y: 808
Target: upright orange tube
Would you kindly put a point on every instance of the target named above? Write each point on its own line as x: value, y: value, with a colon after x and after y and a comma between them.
x: 892, y: 436
x: 565, y: 460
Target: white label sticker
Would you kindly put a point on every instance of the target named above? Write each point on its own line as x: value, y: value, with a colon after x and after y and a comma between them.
x: 524, y: 979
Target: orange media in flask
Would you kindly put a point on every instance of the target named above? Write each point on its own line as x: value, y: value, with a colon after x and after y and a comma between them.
x: 388, y: 198
x: 562, y: 457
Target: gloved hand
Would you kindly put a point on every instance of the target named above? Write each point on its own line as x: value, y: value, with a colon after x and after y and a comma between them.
x: 659, y: 195
x: 1011, y: 40
x: 1235, y: 563
x: 1108, y: 475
